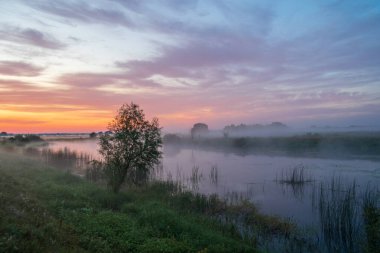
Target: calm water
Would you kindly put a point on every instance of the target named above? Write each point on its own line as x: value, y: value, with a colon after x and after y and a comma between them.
x: 253, y: 177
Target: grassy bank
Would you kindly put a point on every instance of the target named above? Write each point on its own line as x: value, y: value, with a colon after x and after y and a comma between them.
x: 45, y: 210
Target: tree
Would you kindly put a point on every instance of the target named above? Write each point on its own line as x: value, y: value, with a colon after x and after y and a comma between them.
x: 198, y: 130
x: 131, y: 147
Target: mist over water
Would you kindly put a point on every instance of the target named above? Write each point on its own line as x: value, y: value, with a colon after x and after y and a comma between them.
x: 253, y: 177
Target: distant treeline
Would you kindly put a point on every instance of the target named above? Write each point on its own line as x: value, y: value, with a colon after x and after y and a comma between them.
x: 254, y: 127
x: 21, y: 138
x: 326, y: 145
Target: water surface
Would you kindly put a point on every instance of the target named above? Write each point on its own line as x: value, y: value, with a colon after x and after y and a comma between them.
x: 253, y: 177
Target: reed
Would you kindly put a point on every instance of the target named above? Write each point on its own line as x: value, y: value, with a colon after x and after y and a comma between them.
x: 66, y: 159
x: 214, y: 175
x: 195, y: 177
x: 339, y: 212
x: 294, y: 176
x: 371, y: 217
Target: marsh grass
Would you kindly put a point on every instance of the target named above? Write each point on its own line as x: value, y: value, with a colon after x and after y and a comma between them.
x: 339, y: 212
x: 371, y: 217
x: 66, y: 159
x: 214, y: 175
x: 195, y: 178
x: 349, y: 218
x: 294, y: 176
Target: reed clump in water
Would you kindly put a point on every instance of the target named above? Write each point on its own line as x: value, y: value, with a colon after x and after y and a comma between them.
x: 214, y: 175
x: 294, y: 176
x: 195, y: 177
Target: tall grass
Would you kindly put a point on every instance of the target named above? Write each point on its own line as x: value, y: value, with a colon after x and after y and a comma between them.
x: 66, y: 159
x: 195, y: 178
x: 95, y: 171
x: 214, y: 175
x: 339, y: 216
x: 349, y: 219
x: 371, y: 217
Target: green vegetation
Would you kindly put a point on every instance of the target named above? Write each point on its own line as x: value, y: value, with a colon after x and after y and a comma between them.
x: 44, y: 210
x: 133, y: 148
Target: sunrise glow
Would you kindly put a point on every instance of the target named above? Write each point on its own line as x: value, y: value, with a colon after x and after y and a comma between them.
x: 66, y: 66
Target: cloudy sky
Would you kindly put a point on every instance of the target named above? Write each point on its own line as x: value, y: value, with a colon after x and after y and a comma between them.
x: 68, y: 65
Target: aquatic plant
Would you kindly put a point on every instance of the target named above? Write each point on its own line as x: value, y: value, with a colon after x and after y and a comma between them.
x: 294, y: 176
x: 214, y: 175
x: 195, y: 177
x: 339, y: 213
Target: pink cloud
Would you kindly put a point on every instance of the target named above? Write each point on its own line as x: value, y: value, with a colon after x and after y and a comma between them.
x: 15, y: 68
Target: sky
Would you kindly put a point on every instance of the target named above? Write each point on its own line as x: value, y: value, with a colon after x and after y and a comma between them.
x: 67, y: 66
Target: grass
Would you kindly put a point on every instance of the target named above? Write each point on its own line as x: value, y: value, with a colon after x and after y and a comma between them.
x: 339, y: 213
x: 350, y: 220
x: 371, y: 216
x: 45, y: 210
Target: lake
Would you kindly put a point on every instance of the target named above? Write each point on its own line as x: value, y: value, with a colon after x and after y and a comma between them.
x: 253, y: 177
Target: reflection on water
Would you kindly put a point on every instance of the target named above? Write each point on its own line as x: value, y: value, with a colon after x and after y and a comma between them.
x: 253, y: 177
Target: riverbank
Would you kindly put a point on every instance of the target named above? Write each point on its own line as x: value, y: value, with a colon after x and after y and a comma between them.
x: 44, y: 210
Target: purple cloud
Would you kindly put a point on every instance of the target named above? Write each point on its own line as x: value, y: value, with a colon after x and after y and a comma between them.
x: 83, y: 12
x: 13, y: 68
x: 31, y: 37
x: 91, y: 80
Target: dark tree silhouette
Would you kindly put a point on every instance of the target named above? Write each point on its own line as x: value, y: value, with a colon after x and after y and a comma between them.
x: 131, y: 147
